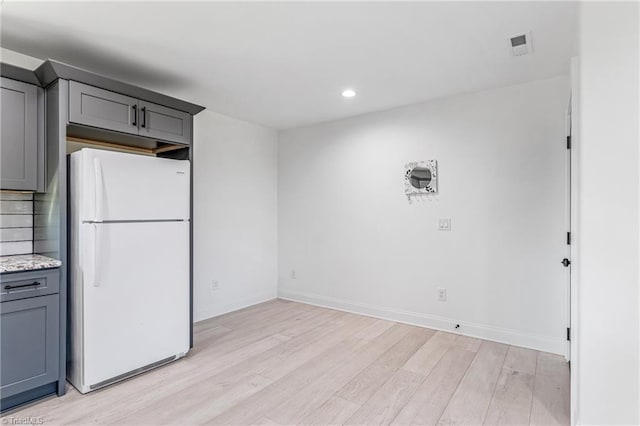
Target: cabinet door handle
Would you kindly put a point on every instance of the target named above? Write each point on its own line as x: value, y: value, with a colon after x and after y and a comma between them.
x: 134, y: 122
x: 11, y: 287
x: 143, y: 110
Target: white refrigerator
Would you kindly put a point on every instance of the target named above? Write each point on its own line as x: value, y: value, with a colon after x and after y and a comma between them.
x: 129, y: 265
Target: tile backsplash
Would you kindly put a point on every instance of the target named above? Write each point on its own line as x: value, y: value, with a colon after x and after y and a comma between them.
x: 16, y: 223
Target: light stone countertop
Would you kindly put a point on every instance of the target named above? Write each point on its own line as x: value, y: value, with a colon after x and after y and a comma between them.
x: 27, y: 262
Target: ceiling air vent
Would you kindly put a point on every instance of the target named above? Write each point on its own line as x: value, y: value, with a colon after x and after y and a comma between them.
x: 520, y: 44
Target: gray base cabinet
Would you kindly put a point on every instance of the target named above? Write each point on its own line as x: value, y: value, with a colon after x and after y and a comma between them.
x: 29, y: 336
x: 29, y: 341
x: 22, y: 136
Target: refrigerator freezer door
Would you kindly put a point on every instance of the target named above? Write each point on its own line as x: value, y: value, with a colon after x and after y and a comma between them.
x: 124, y: 187
x: 135, y: 281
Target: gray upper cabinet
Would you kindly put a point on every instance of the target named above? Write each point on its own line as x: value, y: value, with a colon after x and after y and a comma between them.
x: 22, y: 136
x: 29, y: 334
x: 101, y: 108
x: 164, y: 123
x: 108, y: 110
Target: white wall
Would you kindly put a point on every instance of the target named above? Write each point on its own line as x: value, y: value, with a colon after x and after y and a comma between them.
x: 235, y: 214
x: 608, y: 214
x: 355, y: 243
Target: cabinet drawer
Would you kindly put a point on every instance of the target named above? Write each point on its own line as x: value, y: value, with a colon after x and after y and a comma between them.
x: 29, y: 343
x: 22, y: 285
x: 101, y: 108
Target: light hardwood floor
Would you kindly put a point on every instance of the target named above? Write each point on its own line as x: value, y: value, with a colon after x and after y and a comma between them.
x: 283, y: 363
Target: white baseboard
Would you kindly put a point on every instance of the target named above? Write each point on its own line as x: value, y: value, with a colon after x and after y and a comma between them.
x: 237, y: 305
x: 481, y: 331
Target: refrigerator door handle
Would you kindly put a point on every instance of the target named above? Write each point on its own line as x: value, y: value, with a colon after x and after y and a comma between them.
x: 97, y: 170
x: 96, y: 256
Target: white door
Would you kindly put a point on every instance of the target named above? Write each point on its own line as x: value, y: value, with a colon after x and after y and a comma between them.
x: 119, y: 186
x: 136, y: 295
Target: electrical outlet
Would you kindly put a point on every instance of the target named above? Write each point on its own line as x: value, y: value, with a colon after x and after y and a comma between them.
x: 444, y: 224
x: 292, y: 275
x: 214, y: 285
x: 442, y: 295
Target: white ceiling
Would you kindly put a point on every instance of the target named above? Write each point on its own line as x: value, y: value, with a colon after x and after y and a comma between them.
x: 285, y: 64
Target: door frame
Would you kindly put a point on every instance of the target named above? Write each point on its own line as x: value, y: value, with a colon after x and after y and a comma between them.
x: 575, y: 237
x: 568, y: 222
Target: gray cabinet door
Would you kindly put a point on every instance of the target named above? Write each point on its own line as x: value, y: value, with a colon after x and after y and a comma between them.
x: 159, y: 122
x: 19, y: 136
x: 101, y: 108
x: 29, y: 341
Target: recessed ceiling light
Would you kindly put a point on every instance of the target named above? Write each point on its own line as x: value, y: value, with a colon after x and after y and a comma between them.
x: 348, y: 93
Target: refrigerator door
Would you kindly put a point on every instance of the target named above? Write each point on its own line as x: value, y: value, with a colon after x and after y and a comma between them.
x: 136, y: 296
x: 119, y: 187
